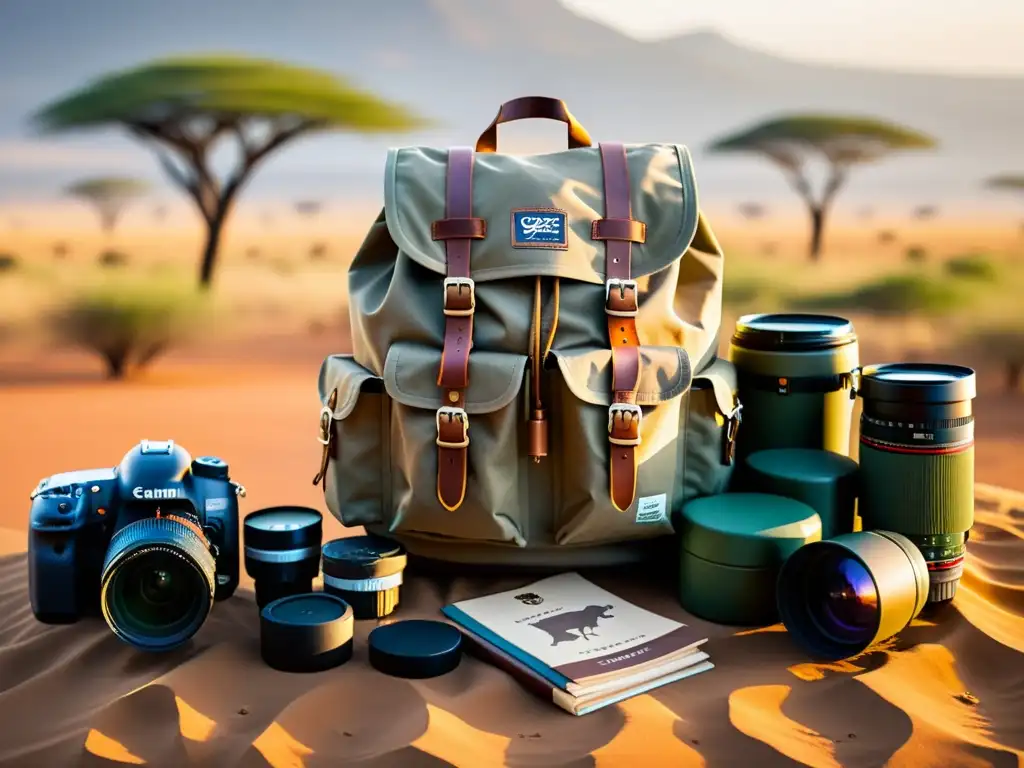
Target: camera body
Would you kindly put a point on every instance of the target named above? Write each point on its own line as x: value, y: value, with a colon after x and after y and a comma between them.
x: 75, y: 514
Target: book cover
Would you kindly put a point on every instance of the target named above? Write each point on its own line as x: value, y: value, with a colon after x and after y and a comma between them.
x: 694, y: 663
x: 573, y: 633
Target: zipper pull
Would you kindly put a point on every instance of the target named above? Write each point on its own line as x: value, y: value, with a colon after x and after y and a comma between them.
x: 732, y: 428
x: 538, y: 434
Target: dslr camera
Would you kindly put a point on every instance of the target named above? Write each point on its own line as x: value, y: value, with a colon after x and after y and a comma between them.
x: 149, y: 545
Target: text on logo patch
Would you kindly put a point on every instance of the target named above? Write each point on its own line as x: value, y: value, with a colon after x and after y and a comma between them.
x: 539, y: 228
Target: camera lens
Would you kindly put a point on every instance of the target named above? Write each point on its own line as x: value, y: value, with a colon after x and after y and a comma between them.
x: 282, y: 551
x: 838, y: 597
x: 158, y: 582
x: 917, y: 461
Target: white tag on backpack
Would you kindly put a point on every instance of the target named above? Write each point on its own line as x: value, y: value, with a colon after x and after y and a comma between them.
x: 652, y: 509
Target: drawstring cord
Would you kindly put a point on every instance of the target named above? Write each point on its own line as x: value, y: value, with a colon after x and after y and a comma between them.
x: 538, y: 418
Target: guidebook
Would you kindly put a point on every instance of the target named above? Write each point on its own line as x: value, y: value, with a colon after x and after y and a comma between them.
x: 580, y: 646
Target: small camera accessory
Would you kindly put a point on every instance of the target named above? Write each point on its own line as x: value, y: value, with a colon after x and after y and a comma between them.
x: 415, y: 648
x: 366, y: 572
x: 282, y: 551
x: 306, y: 633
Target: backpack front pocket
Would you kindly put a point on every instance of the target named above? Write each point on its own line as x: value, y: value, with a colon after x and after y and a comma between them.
x: 492, y: 507
x: 353, y: 431
x: 585, y: 513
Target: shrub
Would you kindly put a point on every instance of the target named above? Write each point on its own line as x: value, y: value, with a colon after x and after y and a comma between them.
x: 317, y: 251
x: 972, y: 267
x: 8, y: 262
x: 128, y: 323
x: 893, y: 295
x: 252, y: 253
x: 915, y: 254
x: 111, y: 259
x: 61, y: 250
x: 1003, y: 342
x: 886, y: 236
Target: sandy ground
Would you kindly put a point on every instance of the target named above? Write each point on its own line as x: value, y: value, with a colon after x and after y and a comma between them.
x: 946, y: 693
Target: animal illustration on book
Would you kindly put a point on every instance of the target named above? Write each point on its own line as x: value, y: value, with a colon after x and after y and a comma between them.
x: 561, y: 626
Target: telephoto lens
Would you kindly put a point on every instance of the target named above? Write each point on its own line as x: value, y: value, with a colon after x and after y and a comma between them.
x: 282, y: 551
x: 836, y: 598
x: 917, y: 461
x: 366, y: 572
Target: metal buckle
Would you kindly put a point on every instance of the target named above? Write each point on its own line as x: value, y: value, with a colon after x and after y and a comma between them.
x: 733, y: 420
x: 453, y: 413
x: 622, y: 286
x: 624, y: 408
x: 326, y: 420
x: 460, y: 283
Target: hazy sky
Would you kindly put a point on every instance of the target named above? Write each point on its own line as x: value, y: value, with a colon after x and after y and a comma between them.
x: 971, y: 36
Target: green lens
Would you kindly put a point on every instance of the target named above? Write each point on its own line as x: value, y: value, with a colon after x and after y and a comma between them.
x: 158, y: 583
x: 836, y: 598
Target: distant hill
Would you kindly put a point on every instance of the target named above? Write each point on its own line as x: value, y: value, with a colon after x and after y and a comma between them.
x: 456, y: 60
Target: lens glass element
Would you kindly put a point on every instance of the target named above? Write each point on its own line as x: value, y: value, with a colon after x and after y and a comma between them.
x: 842, y: 600
x: 157, y: 594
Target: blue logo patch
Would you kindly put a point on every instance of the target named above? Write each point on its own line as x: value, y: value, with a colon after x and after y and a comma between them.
x: 539, y: 228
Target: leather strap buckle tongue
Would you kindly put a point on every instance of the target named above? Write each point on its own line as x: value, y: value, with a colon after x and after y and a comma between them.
x: 459, y: 296
x: 620, y: 297
x: 624, y: 424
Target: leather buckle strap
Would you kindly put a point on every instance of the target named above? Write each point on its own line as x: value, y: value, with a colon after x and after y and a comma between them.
x: 621, y: 305
x: 459, y: 296
x: 458, y: 230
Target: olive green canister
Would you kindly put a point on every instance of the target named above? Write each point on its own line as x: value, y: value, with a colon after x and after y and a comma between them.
x: 795, y: 374
x: 827, y: 482
x: 731, y: 549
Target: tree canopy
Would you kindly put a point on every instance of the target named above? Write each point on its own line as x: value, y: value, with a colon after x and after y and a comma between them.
x: 185, y: 105
x: 840, y: 141
x: 109, y: 195
x: 1011, y: 181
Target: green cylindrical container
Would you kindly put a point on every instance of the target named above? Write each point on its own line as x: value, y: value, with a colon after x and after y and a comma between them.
x: 837, y: 598
x: 917, y: 461
x: 824, y: 481
x: 795, y: 375
x: 732, y: 547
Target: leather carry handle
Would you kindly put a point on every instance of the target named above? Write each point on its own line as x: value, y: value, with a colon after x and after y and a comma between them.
x: 529, y: 108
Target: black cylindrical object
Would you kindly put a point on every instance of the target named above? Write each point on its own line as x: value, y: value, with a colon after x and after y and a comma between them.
x: 366, y: 572
x: 795, y: 375
x: 282, y: 550
x: 836, y: 598
x: 306, y: 633
x: 917, y: 461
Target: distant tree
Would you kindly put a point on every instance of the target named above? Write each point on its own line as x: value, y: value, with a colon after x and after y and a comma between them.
x: 842, y: 142
x: 109, y: 195
x: 751, y: 211
x: 308, y: 208
x: 925, y: 212
x: 1011, y: 182
x: 183, y: 107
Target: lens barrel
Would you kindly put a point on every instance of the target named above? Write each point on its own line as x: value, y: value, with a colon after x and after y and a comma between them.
x: 838, y: 597
x: 157, y: 582
x: 917, y: 461
x: 366, y: 572
x: 282, y: 551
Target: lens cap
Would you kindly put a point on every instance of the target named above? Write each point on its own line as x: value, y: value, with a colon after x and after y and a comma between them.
x: 792, y: 332
x: 415, y: 648
x: 918, y: 383
x: 306, y: 633
x: 366, y: 572
x: 282, y: 550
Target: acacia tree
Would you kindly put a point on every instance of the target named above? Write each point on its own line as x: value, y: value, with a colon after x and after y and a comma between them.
x: 185, y: 107
x: 109, y: 195
x: 791, y: 142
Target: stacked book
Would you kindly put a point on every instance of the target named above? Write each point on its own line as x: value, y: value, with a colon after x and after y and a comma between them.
x: 573, y: 643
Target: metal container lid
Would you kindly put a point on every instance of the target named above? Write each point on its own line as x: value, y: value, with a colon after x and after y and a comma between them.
x: 750, y: 530
x: 918, y: 383
x: 792, y: 332
x: 803, y: 465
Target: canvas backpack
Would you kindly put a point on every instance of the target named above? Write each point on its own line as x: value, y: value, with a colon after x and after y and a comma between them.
x: 534, y: 376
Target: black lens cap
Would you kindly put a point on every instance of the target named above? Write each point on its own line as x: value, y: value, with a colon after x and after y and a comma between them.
x: 415, y: 648
x: 366, y: 572
x: 306, y: 633
x: 792, y: 332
